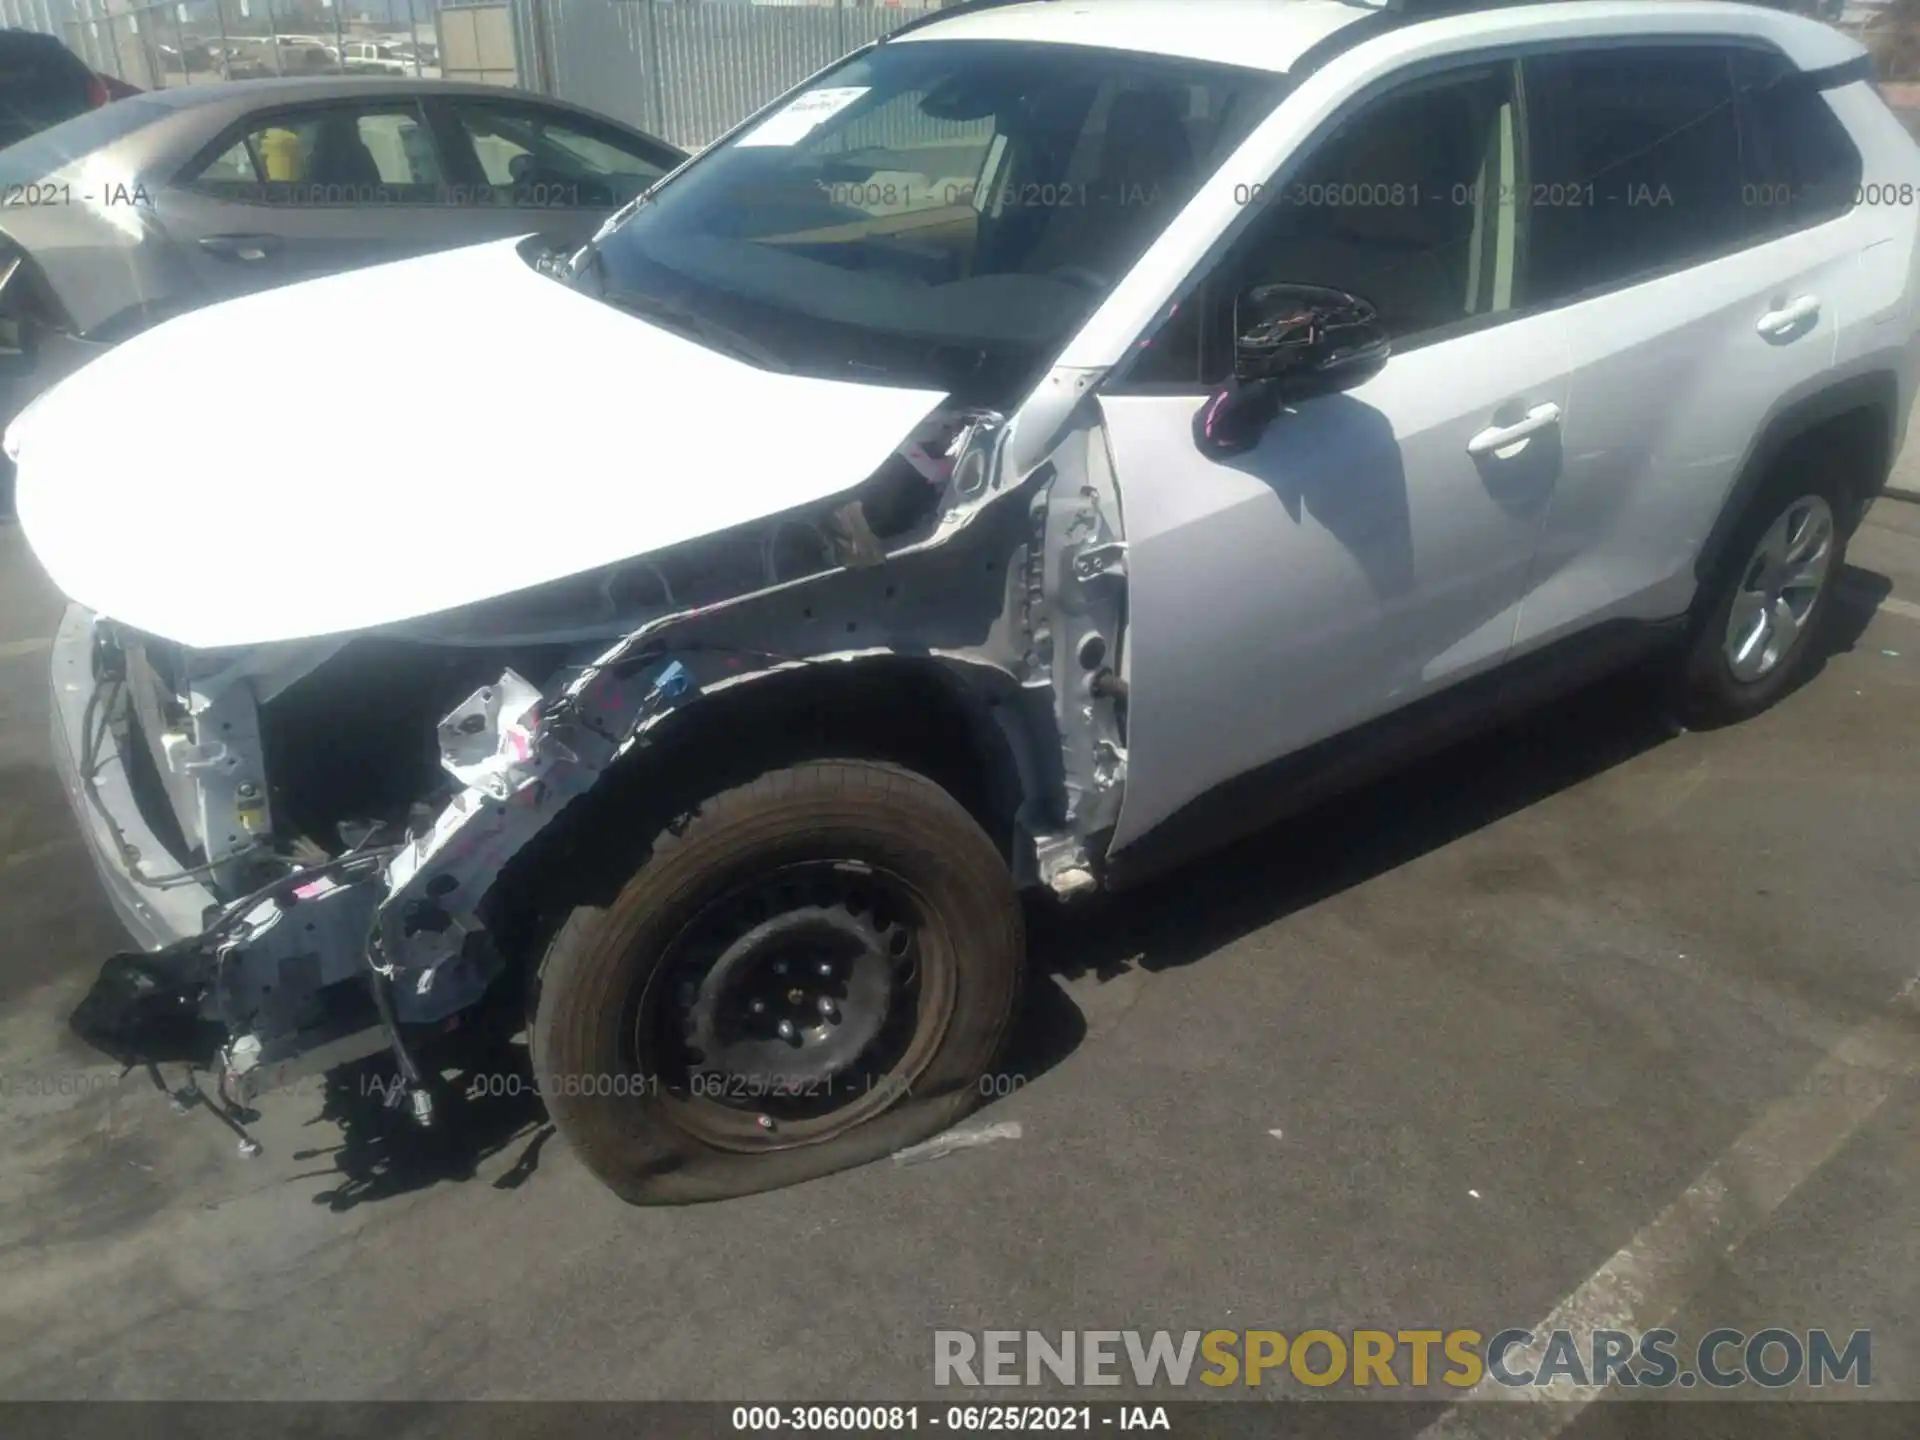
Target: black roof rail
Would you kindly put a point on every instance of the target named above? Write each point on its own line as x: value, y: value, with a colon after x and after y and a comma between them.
x: 1385, y: 15
x: 947, y: 12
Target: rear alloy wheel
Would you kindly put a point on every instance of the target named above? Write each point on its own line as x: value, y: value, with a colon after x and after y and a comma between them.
x: 816, y: 969
x: 1782, y: 582
x: 1760, y: 635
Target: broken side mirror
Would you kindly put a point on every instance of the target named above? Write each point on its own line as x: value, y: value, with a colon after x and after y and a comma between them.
x: 1290, y: 343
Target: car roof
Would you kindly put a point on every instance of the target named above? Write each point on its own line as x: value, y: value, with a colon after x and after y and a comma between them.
x: 293, y: 89
x: 1275, y: 34
x: 1266, y: 34
x: 228, y: 100
x: 163, y: 128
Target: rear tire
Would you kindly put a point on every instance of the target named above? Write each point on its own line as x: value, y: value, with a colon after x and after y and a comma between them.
x: 1756, y: 633
x: 813, y: 970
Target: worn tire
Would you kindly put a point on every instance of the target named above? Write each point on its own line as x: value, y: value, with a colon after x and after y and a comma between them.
x: 1710, y: 693
x: 607, y: 970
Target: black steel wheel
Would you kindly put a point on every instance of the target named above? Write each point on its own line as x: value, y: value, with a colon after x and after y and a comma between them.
x: 795, y: 1004
x: 819, y: 967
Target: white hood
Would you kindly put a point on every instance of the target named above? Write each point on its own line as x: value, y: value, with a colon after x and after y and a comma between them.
x: 392, y: 442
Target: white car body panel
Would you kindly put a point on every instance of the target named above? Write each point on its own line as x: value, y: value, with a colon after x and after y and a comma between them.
x: 1339, y: 570
x: 1890, y: 252
x: 1300, y: 646
x: 1672, y: 385
x: 524, y: 454
x: 1503, y: 480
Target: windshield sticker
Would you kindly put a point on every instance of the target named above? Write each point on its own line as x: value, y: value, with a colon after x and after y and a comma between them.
x: 801, y: 118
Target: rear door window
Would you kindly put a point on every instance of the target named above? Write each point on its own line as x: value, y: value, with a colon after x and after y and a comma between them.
x: 1634, y: 165
x: 338, y: 155
x: 1800, y: 166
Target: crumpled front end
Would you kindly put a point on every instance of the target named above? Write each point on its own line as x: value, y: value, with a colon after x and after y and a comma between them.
x: 255, y: 927
x: 306, y: 835
x: 281, y: 938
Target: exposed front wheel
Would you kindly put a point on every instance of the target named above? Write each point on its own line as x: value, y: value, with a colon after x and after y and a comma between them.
x: 817, y: 968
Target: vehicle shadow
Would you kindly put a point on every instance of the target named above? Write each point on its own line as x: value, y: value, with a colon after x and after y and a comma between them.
x: 488, y: 1106
x: 1339, y: 463
x: 1188, y: 914
x: 484, y: 1105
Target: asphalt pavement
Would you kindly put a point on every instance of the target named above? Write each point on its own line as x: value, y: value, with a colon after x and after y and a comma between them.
x: 1438, y: 1054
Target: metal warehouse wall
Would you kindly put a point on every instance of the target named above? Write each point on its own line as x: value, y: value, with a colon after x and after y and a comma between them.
x: 687, y: 69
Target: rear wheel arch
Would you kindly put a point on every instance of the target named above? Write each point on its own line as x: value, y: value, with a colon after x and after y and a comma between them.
x: 1853, y: 423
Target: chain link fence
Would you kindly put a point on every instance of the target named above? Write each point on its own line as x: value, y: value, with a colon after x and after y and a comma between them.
x: 683, y: 69
x: 193, y: 42
x: 688, y: 70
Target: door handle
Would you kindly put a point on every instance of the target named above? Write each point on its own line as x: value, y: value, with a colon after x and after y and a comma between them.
x: 1499, y: 437
x: 1778, y: 322
x: 251, y: 248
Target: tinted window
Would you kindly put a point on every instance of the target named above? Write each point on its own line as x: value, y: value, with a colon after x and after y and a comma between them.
x: 530, y: 156
x: 1640, y: 145
x: 1801, y: 166
x: 1409, y: 204
x: 341, y: 155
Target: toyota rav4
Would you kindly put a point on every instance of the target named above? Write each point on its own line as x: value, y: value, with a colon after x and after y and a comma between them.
x: 1051, y: 441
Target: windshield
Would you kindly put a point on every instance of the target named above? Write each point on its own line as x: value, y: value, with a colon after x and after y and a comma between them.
x: 940, y: 213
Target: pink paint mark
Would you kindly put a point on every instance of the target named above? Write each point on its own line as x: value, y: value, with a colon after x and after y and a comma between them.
x: 1213, y: 414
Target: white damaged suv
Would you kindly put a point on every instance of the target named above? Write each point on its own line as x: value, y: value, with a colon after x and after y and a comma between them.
x: 1049, y: 442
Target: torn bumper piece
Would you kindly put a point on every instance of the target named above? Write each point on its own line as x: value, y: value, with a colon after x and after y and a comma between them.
x: 324, y: 964
x: 117, y: 836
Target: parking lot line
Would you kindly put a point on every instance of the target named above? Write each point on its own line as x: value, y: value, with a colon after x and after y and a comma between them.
x: 1645, y: 1283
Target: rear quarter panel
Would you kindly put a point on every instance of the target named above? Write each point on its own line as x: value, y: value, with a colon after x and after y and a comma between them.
x: 1880, y: 324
